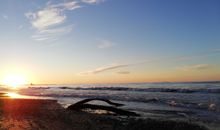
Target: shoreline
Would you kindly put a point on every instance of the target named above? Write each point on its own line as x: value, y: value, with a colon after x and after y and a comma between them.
x: 46, y: 114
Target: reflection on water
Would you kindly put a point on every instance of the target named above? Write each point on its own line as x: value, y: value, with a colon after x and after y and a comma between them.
x: 12, y: 95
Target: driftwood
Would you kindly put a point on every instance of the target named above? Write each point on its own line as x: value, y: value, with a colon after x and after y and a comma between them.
x: 82, y: 105
x: 99, y: 99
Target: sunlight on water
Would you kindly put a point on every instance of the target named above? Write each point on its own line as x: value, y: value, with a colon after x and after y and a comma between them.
x: 14, y: 95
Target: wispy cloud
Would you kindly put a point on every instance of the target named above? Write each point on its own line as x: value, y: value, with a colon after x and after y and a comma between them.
x: 202, y: 54
x: 48, y: 21
x: 105, y: 44
x: 92, y: 1
x: 114, y: 67
x: 123, y: 72
x: 4, y: 16
x: 20, y: 27
x: 169, y: 59
x: 66, y: 6
x: 52, y: 34
x: 216, y: 50
x: 103, y: 69
x: 195, y: 67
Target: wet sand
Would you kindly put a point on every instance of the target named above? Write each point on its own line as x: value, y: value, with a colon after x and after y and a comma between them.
x: 38, y: 114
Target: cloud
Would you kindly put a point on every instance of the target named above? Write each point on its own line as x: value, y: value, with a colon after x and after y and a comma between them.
x: 20, y: 27
x: 216, y: 50
x: 66, y: 6
x: 92, y: 1
x: 105, y: 44
x: 48, y: 21
x: 123, y: 72
x: 195, y: 67
x: 52, y: 34
x: 183, y: 58
x: 46, y: 18
x: 5, y: 16
x: 103, y: 69
x: 113, y: 67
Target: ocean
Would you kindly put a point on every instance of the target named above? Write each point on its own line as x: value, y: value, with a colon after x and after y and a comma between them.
x: 192, y: 101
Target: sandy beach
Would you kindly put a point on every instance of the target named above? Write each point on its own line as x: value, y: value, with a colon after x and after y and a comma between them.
x: 39, y: 114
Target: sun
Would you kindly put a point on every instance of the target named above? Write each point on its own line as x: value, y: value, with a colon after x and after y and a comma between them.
x: 14, y: 80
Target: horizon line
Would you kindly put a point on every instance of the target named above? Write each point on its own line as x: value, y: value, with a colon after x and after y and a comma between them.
x: 207, y: 81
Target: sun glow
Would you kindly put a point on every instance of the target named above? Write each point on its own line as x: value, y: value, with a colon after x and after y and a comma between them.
x: 14, y: 80
x: 13, y: 95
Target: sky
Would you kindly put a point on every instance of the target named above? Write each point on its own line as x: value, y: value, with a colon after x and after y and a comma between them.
x: 110, y: 41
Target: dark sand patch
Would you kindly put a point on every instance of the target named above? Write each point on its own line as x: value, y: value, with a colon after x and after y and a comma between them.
x: 36, y: 114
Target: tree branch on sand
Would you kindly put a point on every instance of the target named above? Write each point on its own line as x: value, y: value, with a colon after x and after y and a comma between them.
x: 82, y: 105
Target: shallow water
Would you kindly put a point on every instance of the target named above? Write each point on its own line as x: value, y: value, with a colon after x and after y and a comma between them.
x: 190, y: 101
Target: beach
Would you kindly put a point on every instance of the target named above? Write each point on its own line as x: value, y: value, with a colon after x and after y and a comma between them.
x: 196, y: 102
x: 44, y: 114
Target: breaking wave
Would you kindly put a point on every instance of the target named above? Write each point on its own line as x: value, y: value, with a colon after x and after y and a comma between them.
x: 174, y: 90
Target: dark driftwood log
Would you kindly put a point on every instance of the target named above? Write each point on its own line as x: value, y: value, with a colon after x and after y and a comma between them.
x: 99, y: 99
x: 81, y: 105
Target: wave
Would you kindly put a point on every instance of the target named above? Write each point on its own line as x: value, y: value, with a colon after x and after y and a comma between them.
x: 159, y: 101
x: 172, y: 90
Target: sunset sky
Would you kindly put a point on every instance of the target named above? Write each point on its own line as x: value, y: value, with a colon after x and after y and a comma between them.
x: 110, y: 41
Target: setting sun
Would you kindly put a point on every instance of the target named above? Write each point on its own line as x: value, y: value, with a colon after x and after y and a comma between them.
x: 14, y: 80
